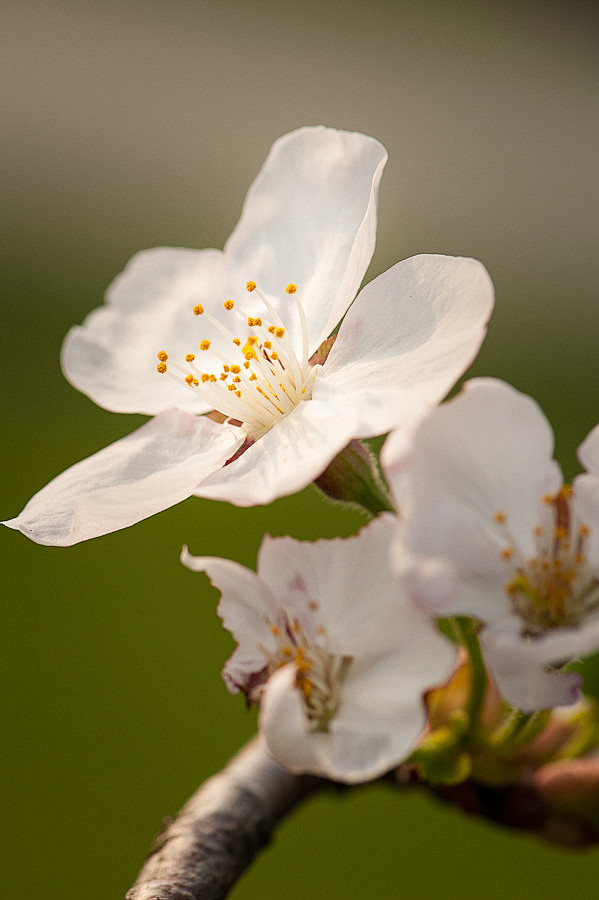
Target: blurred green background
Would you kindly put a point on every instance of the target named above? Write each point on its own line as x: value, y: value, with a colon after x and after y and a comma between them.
x: 129, y: 125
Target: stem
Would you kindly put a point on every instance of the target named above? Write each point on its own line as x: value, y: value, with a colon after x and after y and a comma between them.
x: 466, y: 631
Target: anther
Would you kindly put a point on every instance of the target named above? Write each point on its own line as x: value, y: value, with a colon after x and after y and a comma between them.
x: 251, y: 286
x: 291, y: 289
x: 204, y: 345
x: 189, y: 379
x: 198, y: 310
x: 162, y: 356
x: 499, y: 517
x: 189, y: 357
x: 279, y: 332
x: 228, y: 304
x: 161, y: 368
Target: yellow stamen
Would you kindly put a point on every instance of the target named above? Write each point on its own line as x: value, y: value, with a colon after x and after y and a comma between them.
x: 189, y: 379
x: 162, y: 356
x: 228, y: 304
x: 291, y: 289
x: 251, y: 286
x: 189, y: 357
x: 198, y: 310
x: 279, y: 332
x: 161, y: 368
x: 204, y: 345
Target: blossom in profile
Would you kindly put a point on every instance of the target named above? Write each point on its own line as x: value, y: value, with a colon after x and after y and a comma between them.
x: 490, y: 530
x: 336, y: 657
x: 235, y: 334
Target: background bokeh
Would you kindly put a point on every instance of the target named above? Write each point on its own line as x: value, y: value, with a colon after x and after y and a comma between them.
x: 130, y: 124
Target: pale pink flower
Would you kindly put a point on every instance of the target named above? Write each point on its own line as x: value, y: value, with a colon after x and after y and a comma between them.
x: 489, y: 530
x: 334, y: 654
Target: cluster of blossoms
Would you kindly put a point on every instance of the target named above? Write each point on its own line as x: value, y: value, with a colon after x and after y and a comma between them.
x: 255, y: 395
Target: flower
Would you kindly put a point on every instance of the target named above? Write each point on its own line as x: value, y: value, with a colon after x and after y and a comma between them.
x: 335, y: 656
x: 515, y: 547
x: 184, y: 332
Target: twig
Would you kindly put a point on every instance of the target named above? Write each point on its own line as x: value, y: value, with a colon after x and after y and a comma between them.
x: 206, y: 848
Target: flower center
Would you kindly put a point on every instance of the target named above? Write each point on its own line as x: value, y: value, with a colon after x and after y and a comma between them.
x: 319, y: 673
x: 555, y: 588
x: 260, y: 378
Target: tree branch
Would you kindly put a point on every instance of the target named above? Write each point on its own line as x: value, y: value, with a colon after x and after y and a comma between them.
x: 205, y: 849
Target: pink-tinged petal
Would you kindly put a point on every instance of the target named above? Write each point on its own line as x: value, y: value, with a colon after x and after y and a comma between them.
x: 588, y: 452
x: 407, y: 338
x: 112, y: 356
x: 519, y: 667
x: 471, y: 485
x: 349, y: 579
x: 286, y: 459
x: 245, y: 606
x: 284, y: 725
x: 151, y: 469
x: 310, y: 218
x: 586, y: 492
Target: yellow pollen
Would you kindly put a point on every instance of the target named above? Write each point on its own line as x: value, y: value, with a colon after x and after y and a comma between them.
x: 205, y: 378
x: 161, y: 368
x: 274, y: 629
x: 204, y: 345
x: 237, y: 341
x: 212, y: 378
x: 251, y: 286
x: 279, y: 332
x: 507, y: 553
x: 223, y: 376
x: 236, y: 380
x: 253, y: 377
x: 246, y: 364
x: 267, y: 344
x: 225, y: 368
x: 162, y: 356
x: 274, y: 356
x: 252, y: 322
x: 271, y: 329
x: 235, y: 370
x: 499, y: 517
x: 195, y: 382
x: 190, y: 357
x: 198, y: 310
x: 231, y: 387
x: 228, y: 304
x: 189, y: 379
x: 291, y: 289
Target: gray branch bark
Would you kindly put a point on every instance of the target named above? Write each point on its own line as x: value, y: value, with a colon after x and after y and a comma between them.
x: 207, y: 847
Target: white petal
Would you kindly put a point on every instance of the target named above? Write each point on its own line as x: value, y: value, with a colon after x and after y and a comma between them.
x: 112, y: 356
x: 588, y: 452
x: 151, y: 469
x: 519, y: 667
x: 245, y: 605
x: 407, y: 338
x: 285, y: 726
x: 486, y: 451
x: 288, y: 458
x: 310, y: 218
x: 349, y: 578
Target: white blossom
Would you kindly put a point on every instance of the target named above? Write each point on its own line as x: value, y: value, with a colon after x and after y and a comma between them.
x: 185, y: 332
x: 514, y: 547
x: 334, y: 654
